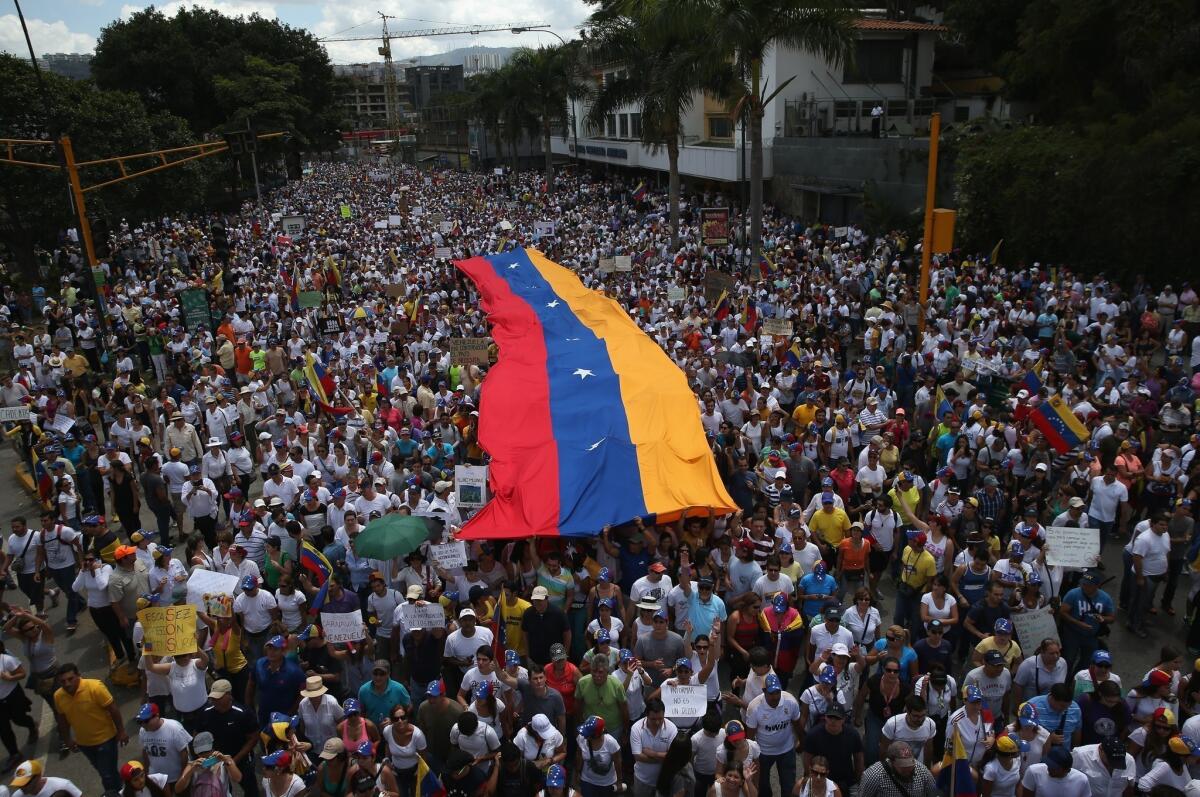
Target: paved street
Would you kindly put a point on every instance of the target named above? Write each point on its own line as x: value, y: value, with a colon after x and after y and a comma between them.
x: 88, y: 649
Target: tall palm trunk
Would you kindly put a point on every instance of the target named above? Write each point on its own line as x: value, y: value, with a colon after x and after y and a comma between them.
x: 549, y: 155
x: 673, y: 188
x: 756, y: 163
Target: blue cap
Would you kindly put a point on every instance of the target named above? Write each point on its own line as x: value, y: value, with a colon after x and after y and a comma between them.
x: 974, y: 694
x: 785, y: 547
x: 591, y: 727
x: 608, y: 602
x: 249, y: 582
x: 826, y: 498
x: 92, y: 520
x: 1016, y: 549
x: 511, y: 658
x: 819, y: 569
x: 366, y: 749
x: 147, y: 712
x: 827, y: 482
x: 273, y: 759
x: 1102, y: 657
x: 603, y: 636
x: 1003, y: 626
x: 1057, y: 757
x: 605, y: 575
x: 779, y: 603
x: 626, y: 655
x: 683, y: 661
x: 194, y: 469
x: 277, y: 641
x: 556, y: 777
x: 1027, y: 715
x: 772, y: 683
x: 828, y: 675
x: 338, y: 493
x: 661, y: 614
x: 434, y: 689
x: 352, y: 706
x: 482, y: 690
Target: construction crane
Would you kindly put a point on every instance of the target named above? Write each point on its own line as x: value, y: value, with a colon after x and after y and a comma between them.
x: 390, y: 86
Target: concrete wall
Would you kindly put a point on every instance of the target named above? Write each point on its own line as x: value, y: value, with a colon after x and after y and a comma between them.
x: 892, y: 169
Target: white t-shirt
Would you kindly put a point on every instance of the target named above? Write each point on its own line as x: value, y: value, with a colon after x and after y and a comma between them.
x: 384, y: 607
x: 8, y: 663
x: 188, y: 691
x: 897, y: 729
x: 290, y: 608
x: 642, y: 738
x: 1004, y: 781
x: 1106, y: 498
x: 1103, y: 783
x: 459, y: 646
x: 59, y: 547
x: 482, y: 742
x: 52, y: 786
x: 163, y: 747
x: 24, y: 547
x: 1073, y: 784
x: 822, y: 640
x: 1154, y: 549
x: 404, y: 756
x: 773, y: 724
x: 255, y: 610
x: 598, y: 767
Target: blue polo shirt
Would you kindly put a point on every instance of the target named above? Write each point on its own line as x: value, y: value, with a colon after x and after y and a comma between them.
x: 811, y: 585
x: 1049, y: 719
x: 377, y: 706
x: 702, y: 614
x: 277, y: 690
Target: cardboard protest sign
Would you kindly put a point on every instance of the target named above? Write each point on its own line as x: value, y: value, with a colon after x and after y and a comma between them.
x: 777, y: 327
x: 1070, y: 547
x: 685, y: 701
x: 1032, y: 627
x: 469, y: 351
x: 428, y: 615
x: 209, y: 582
x: 449, y: 555
x: 169, y: 630
x: 342, y: 626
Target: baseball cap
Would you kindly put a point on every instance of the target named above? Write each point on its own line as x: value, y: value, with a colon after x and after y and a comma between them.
x: 1057, y: 758
x: 435, y: 689
x: 658, y: 567
x: 1003, y: 626
x: 683, y: 662
x: 1113, y: 747
x: 556, y: 777
x: 1102, y: 657
x: 558, y: 652
x: 993, y: 657
x: 735, y: 731
x: 973, y: 694
x: 839, y: 649
x: 279, y: 758
x: 203, y: 743
x: 772, y: 684
x: 277, y: 641
x: 249, y: 582
x: 27, y: 771
x: 147, y: 712
x: 415, y: 591
x: 1156, y: 678
x: 220, y: 688
x: 540, y: 594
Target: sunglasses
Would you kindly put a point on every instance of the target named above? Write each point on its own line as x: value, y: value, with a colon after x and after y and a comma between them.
x: 701, y: 647
x: 891, y: 638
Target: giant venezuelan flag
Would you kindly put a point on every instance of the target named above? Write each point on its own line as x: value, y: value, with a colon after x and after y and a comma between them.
x: 1062, y: 429
x: 587, y: 421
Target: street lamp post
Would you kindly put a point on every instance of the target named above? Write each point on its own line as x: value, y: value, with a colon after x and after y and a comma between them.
x: 574, y: 129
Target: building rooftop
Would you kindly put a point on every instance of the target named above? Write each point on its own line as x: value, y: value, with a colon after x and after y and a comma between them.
x: 903, y: 26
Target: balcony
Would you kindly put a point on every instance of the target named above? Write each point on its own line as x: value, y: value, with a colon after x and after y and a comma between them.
x: 717, y: 161
x: 852, y: 117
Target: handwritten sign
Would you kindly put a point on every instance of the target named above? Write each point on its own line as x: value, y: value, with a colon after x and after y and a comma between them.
x: 209, y: 582
x: 777, y: 327
x: 443, y: 252
x: 624, y: 263
x: 449, y: 555
x: 607, y: 265
x: 346, y: 212
x: 218, y: 605
x: 14, y: 414
x: 427, y: 615
x: 446, y: 227
x: 61, y: 423
x: 342, y: 626
x: 676, y: 293
x: 169, y: 630
x: 543, y: 229
x: 395, y: 220
x: 292, y: 225
x: 1033, y: 627
x: 469, y: 351
x: 685, y: 701
x: 1071, y: 547
x: 470, y: 485
x: 716, y: 283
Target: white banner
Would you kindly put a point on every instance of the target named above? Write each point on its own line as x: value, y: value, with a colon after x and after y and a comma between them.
x: 446, y: 227
x: 676, y: 293
x: 428, y: 615
x: 624, y: 263
x: 1033, y: 627
x: 342, y: 626
x: 395, y: 220
x: 777, y: 327
x: 685, y: 701
x: 543, y: 229
x: 292, y: 225
x: 470, y: 485
x: 449, y: 555
x: 381, y: 225
x: 442, y: 252
x: 1072, y: 547
x: 61, y: 424
x: 14, y: 414
x: 209, y: 582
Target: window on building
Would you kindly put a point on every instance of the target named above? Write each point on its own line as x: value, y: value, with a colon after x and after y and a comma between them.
x: 610, y: 125
x: 624, y: 120
x: 876, y: 61
x: 720, y: 127
x: 635, y: 125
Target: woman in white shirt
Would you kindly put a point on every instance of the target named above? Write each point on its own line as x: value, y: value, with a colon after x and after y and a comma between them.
x: 189, y: 693
x: 862, y: 620
x: 406, y: 744
x: 1171, y: 768
x: 938, y: 605
x: 540, y: 742
x: 1002, y: 773
x: 599, y: 757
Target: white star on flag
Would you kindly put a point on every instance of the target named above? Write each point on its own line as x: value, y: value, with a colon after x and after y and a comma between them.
x: 514, y: 265
x: 596, y: 444
x: 553, y: 303
x: 583, y: 373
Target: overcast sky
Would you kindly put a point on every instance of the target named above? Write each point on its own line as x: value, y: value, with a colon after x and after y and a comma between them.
x: 72, y: 26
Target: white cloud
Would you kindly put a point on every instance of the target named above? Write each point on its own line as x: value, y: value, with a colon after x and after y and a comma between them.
x: 47, y: 37
x: 230, y: 8
x: 563, y: 15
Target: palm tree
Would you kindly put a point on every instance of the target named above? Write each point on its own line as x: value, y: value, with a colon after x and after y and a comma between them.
x: 668, y: 62
x: 547, y: 77
x: 747, y: 30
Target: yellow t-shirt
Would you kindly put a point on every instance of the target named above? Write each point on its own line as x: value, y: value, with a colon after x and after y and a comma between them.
x: 1011, y: 656
x: 512, y: 615
x: 917, y: 569
x: 832, y: 526
x: 909, y: 498
x: 803, y: 415
x: 86, y: 712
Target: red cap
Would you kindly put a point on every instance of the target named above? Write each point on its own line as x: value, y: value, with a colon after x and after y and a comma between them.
x: 658, y: 567
x: 1158, y: 678
x: 919, y: 538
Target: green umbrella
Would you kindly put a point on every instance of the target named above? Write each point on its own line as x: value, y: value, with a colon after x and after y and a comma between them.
x: 391, y: 536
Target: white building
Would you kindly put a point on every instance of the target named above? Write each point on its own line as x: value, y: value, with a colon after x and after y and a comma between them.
x: 893, y: 69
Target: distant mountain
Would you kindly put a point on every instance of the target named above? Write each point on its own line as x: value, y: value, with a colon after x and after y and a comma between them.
x: 460, y: 55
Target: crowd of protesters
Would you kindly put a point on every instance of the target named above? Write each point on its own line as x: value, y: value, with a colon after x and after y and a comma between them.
x: 851, y: 623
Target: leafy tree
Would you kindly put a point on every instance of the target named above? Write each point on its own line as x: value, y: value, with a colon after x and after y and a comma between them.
x: 34, y: 203
x: 744, y: 32
x: 668, y: 64
x: 546, y: 78
x: 216, y: 71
